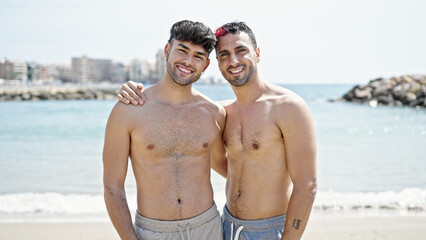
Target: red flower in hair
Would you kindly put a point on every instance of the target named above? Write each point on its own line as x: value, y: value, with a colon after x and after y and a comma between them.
x: 220, y: 32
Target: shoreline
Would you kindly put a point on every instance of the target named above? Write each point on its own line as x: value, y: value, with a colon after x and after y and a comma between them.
x: 391, y: 228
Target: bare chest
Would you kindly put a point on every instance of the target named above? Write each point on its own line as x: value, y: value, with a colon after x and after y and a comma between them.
x: 170, y: 131
x: 253, y: 130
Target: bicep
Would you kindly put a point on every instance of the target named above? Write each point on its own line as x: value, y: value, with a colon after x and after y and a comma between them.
x: 218, y: 157
x: 116, y: 149
x: 300, y: 145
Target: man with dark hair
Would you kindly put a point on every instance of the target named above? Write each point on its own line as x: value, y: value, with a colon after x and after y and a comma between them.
x: 171, y: 142
x: 270, y: 142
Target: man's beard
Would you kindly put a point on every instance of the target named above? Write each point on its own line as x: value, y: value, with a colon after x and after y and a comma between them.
x: 173, y: 72
x: 244, y: 79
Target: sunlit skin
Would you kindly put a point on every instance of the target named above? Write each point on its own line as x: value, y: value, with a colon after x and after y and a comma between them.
x: 270, y: 142
x: 238, y: 64
x: 185, y: 63
x: 171, y: 142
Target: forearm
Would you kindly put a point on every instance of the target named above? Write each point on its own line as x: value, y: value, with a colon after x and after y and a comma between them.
x: 298, y: 212
x: 221, y: 168
x: 119, y: 213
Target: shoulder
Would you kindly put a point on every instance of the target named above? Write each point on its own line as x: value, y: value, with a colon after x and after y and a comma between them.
x: 227, y: 103
x: 285, y: 98
x: 213, y: 107
x: 120, y: 107
x: 289, y: 107
x: 122, y: 113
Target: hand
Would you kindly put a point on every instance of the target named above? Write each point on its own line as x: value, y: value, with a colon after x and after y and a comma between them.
x: 131, y: 92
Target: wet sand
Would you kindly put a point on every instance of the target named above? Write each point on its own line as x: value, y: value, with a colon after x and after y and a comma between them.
x: 391, y: 228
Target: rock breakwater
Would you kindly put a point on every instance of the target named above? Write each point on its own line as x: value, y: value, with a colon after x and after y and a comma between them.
x: 37, y: 93
x: 396, y: 91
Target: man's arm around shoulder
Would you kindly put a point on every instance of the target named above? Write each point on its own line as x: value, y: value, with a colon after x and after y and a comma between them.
x: 299, y: 136
x: 115, y: 160
x: 218, y: 154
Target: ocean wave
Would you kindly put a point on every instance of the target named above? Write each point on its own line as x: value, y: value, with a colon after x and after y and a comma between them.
x: 24, y: 203
x: 410, y: 199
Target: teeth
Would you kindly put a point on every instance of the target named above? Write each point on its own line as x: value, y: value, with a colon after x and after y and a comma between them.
x: 237, y: 71
x: 184, y: 70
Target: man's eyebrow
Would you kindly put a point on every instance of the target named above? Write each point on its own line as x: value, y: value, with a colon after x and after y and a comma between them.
x: 236, y: 48
x: 183, y: 46
x: 187, y: 48
x: 240, y: 47
x: 202, y: 53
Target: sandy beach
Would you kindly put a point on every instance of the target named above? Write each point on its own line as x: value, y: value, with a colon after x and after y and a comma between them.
x: 391, y: 228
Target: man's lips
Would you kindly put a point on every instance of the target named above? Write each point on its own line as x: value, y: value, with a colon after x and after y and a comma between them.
x: 184, y: 69
x: 236, y: 71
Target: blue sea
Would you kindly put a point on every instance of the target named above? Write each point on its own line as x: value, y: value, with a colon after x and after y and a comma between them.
x: 371, y: 160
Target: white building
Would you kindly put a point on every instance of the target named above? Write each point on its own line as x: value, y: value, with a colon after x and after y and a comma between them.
x: 141, y: 70
x: 84, y: 69
x: 20, y: 70
x: 160, y: 65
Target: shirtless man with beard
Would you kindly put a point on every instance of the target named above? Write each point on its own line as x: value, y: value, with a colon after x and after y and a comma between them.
x: 270, y: 143
x: 171, y: 142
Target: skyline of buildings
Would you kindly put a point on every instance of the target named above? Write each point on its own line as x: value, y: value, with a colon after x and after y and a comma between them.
x: 85, y: 69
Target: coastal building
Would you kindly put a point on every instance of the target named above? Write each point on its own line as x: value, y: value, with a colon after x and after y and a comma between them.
x: 60, y: 72
x: 141, y: 71
x: 85, y: 69
x: 81, y: 69
x: 6, y: 69
x: 118, y: 74
x: 15, y: 70
x: 38, y: 73
x: 160, y: 66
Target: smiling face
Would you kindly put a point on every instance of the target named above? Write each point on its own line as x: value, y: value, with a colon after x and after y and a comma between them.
x: 185, y: 61
x: 237, y: 58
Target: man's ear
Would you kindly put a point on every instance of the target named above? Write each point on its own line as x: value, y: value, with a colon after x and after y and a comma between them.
x: 258, y: 55
x: 167, y: 50
x: 207, y: 64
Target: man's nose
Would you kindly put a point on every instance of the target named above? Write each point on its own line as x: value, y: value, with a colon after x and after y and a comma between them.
x: 188, y: 60
x: 233, y: 60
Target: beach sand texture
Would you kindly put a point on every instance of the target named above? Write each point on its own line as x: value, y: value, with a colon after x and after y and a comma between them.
x: 392, y: 228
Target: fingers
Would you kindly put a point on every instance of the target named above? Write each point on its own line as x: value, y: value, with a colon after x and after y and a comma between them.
x: 140, y: 86
x: 137, y: 88
x: 124, y: 97
x: 130, y: 92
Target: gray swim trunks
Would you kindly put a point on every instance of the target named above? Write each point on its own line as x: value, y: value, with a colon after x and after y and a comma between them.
x: 262, y: 229
x: 206, y: 226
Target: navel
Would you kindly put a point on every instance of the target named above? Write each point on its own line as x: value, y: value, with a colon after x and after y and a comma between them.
x: 179, y: 201
x: 150, y: 146
x: 205, y: 145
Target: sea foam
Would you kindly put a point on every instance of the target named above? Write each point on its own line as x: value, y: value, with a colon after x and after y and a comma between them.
x: 78, y: 207
x: 411, y: 199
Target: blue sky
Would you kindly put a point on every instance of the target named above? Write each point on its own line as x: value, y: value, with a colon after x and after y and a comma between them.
x: 329, y: 41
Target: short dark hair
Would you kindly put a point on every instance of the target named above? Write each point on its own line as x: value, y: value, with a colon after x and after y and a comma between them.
x: 194, y: 32
x: 236, y: 28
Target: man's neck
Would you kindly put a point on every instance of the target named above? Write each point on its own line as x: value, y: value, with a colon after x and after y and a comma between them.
x: 249, y: 92
x: 173, y: 93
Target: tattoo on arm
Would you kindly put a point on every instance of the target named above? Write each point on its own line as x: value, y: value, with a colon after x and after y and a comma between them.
x: 296, y: 223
